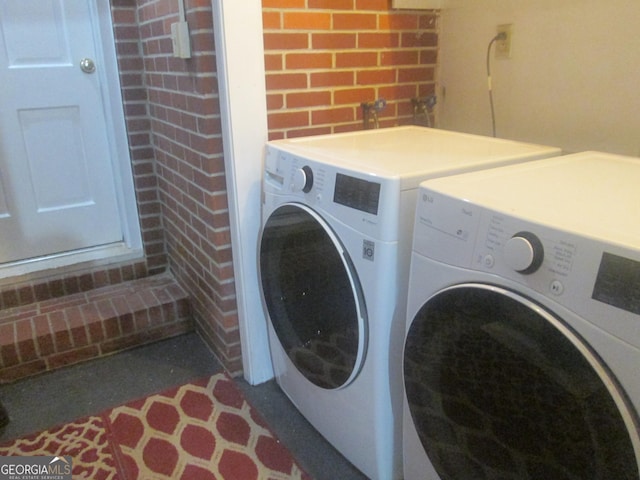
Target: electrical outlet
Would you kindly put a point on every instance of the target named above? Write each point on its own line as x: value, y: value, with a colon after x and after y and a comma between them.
x: 503, y: 43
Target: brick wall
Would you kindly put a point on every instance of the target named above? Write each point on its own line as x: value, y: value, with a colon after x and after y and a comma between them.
x: 326, y: 57
x: 134, y: 94
x: 186, y: 137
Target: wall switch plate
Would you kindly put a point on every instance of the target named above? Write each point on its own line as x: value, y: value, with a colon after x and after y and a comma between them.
x: 503, y: 45
x: 180, y: 40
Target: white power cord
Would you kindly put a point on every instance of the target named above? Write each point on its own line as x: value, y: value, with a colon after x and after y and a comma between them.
x: 499, y: 36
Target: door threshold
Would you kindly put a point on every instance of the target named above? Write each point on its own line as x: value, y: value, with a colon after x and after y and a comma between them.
x: 67, y: 262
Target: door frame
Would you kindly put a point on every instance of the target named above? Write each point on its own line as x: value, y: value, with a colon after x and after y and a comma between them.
x: 131, y: 247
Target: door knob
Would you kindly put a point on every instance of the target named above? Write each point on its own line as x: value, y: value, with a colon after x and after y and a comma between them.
x: 87, y: 65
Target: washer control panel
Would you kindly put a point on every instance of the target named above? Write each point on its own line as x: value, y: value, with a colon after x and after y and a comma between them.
x: 302, y: 179
x: 501, y: 246
x: 366, y: 202
x: 459, y: 233
x: 524, y: 252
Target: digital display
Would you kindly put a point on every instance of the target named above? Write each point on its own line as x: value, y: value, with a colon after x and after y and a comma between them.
x: 618, y: 283
x: 357, y: 193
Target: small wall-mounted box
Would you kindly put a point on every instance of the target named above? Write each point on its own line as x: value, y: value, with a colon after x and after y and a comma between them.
x: 180, y: 40
x: 418, y: 4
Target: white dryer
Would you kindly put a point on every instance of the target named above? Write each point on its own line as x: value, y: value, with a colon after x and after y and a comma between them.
x: 334, y: 254
x: 522, y: 354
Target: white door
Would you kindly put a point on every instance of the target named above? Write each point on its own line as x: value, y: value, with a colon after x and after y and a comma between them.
x: 57, y: 191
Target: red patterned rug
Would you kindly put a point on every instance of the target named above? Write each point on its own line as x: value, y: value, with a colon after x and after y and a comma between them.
x: 198, y: 431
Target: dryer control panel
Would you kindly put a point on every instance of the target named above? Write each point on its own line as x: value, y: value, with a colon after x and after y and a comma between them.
x: 581, y: 273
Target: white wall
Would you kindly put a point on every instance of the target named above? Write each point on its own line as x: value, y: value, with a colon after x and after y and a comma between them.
x: 573, y: 79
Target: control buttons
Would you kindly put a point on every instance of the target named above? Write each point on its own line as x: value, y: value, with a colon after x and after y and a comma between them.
x: 368, y: 250
x: 302, y: 179
x: 524, y: 253
x: 488, y: 260
x: 556, y: 287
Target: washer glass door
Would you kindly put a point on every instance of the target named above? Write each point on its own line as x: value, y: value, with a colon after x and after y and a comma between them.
x: 498, y: 388
x: 313, y: 296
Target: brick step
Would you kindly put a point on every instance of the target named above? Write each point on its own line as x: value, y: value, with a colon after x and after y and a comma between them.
x: 70, y: 329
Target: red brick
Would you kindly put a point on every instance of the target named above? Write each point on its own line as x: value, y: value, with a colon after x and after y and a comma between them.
x: 137, y: 339
x: 308, y: 60
x: 141, y: 320
x: 356, y: 59
x: 27, y: 350
x: 285, y: 41
x: 104, y: 308
x: 418, y: 74
x: 350, y: 127
x: 331, y: 4
x: 288, y: 81
x: 75, y: 320
x: 353, y: 95
x: 96, y: 331
x: 44, y: 337
x: 428, y: 56
x: 419, y: 39
x: 156, y: 315
x: 306, y: 20
x: 375, y: 77
x: 308, y: 99
x: 22, y: 370
x: 324, y: 41
x: 399, y: 57
x: 9, y: 299
x: 287, y: 120
x: 26, y: 295
x: 379, y: 5
x: 72, y: 357
x: 111, y: 328
x: 61, y: 303
x: 428, y: 21
x: 273, y: 62
x: 271, y: 20
x: 62, y: 338
x: 277, y: 135
x: 355, y: 21
x: 332, y: 79
x: 8, y: 352
x: 127, y: 325
x: 24, y: 331
x: 403, y: 93
x: 398, y: 21
x: 332, y: 116
x: 378, y: 40
x: 283, y: 3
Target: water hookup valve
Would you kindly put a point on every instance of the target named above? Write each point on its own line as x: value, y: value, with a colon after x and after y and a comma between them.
x: 423, y: 107
x: 370, y: 113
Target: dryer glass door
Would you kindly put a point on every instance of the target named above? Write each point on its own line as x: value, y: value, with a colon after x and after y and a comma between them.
x: 313, y: 296
x: 498, y: 388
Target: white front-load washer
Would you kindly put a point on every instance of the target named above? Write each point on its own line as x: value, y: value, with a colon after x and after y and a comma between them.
x: 334, y: 253
x: 522, y: 351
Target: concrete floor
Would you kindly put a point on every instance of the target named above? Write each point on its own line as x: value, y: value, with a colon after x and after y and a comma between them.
x: 57, y: 397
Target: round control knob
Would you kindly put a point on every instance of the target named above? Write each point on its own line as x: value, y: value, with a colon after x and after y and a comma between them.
x: 302, y: 179
x: 524, y: 252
